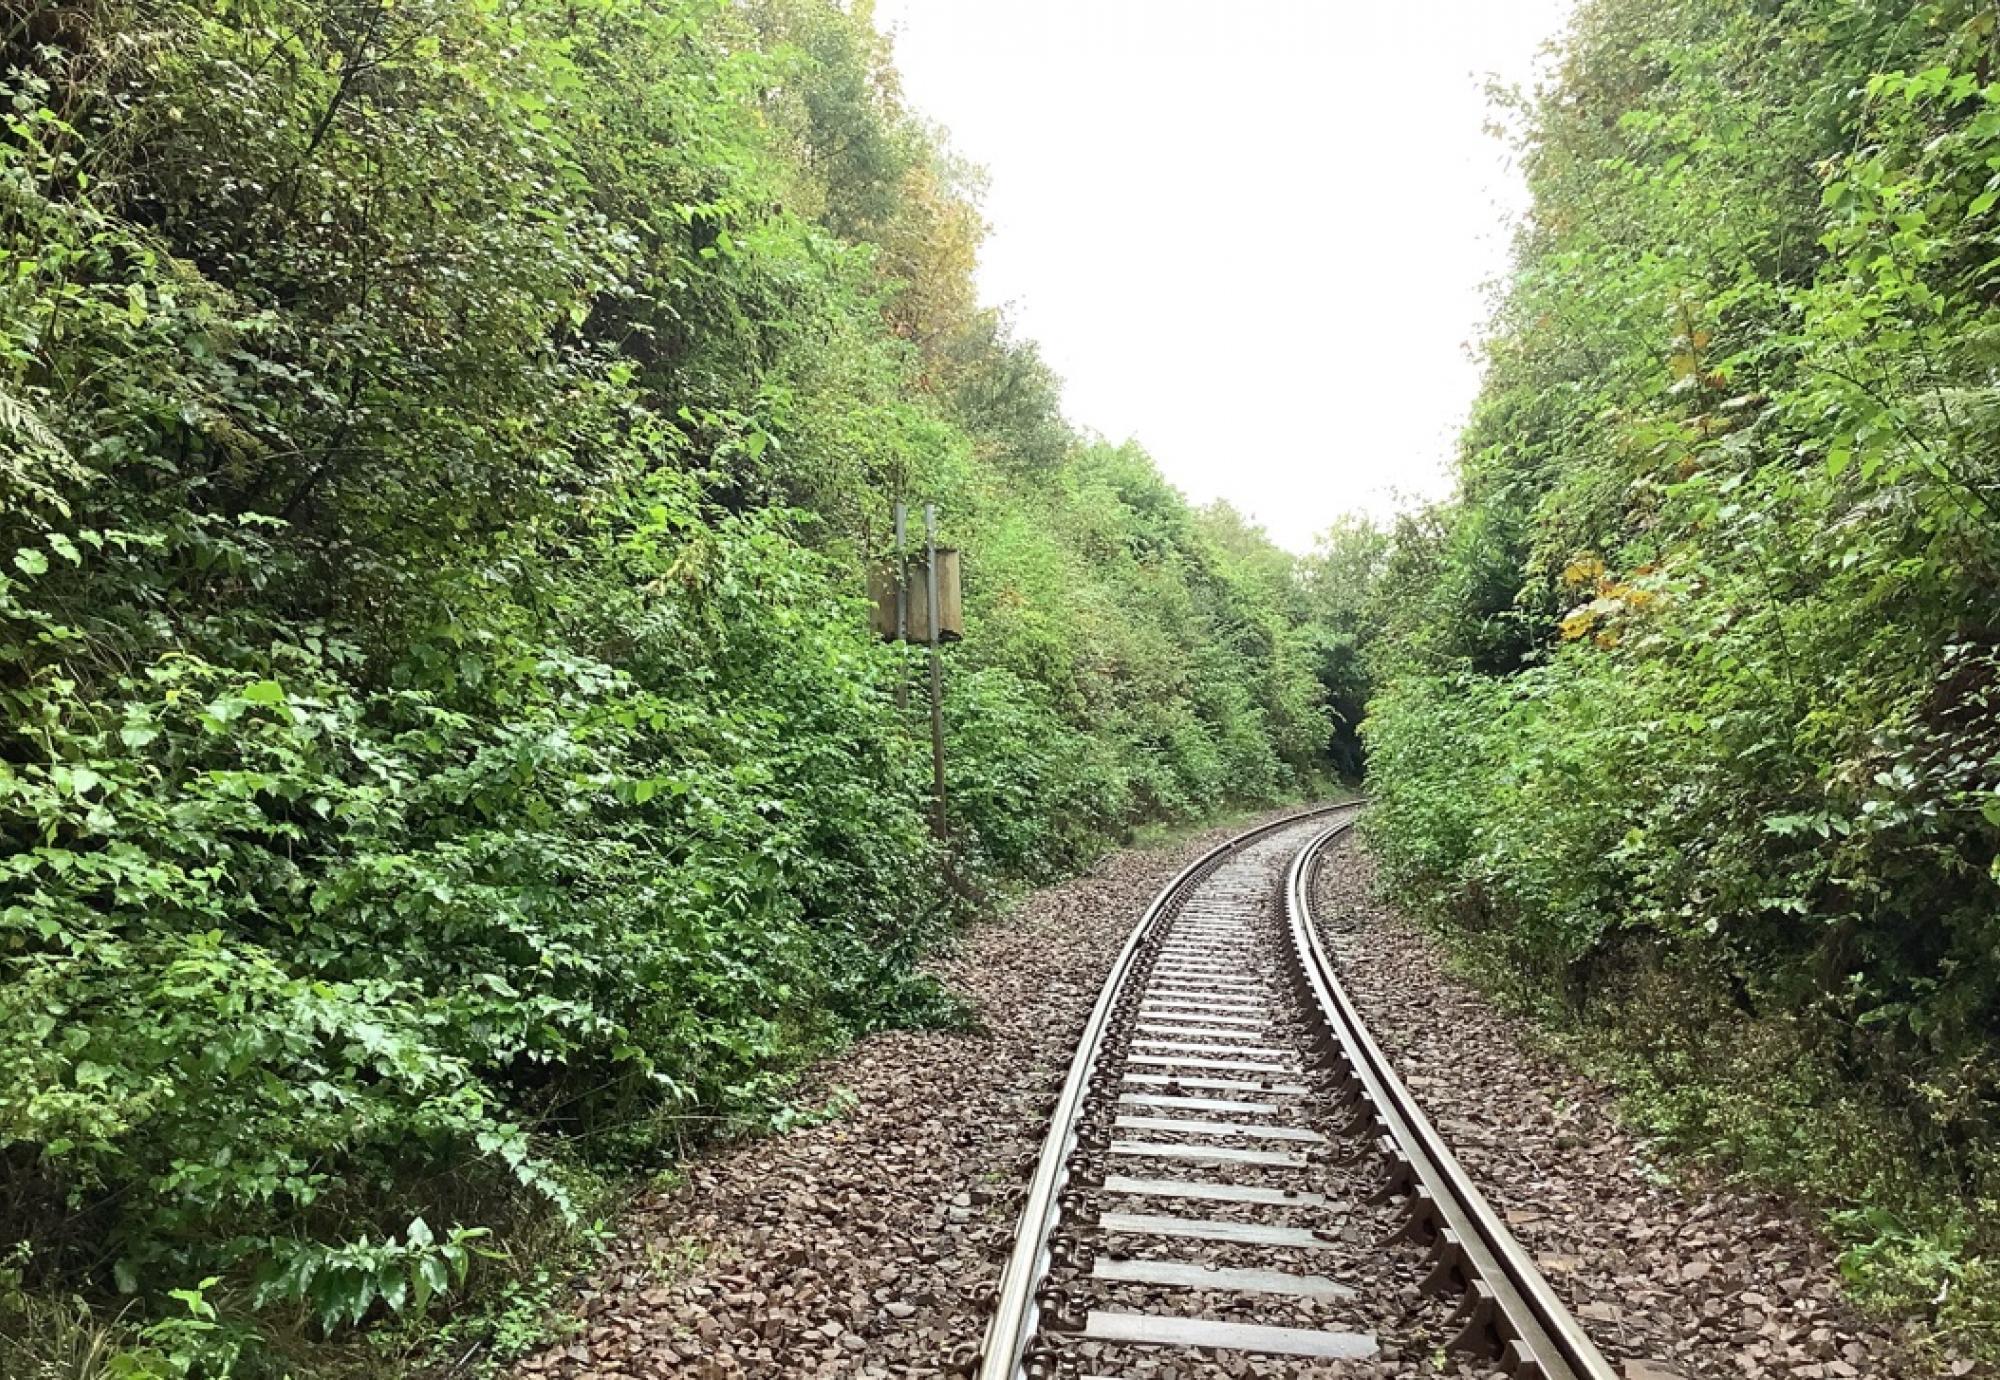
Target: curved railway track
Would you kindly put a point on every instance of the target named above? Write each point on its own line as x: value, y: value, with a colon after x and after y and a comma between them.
x: 1235, y: 1182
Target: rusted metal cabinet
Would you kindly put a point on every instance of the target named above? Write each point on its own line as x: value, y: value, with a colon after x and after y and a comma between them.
x: 951, y: 612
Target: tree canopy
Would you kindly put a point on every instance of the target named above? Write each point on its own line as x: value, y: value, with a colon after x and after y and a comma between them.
x: 1684, y: 705
x: 442, y: 753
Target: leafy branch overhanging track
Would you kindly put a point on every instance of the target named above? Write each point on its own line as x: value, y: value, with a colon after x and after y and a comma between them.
x: 1223, y: 1088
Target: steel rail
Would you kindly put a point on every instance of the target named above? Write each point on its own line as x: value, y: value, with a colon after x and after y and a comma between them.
x: 1537, y: 1336
x: 1016, y: 1311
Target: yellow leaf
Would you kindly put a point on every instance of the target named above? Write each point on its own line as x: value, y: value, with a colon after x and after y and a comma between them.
x: 1582, y: 570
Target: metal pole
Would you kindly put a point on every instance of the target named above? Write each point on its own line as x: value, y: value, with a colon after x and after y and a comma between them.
x: 902, y: 607
x: 938, y: 820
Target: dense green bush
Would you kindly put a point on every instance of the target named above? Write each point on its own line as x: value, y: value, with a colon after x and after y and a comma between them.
x: 1693, y: 681
x: 440, y: 743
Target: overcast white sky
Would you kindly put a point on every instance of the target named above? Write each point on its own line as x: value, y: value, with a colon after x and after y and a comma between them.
x: 1251, y: 234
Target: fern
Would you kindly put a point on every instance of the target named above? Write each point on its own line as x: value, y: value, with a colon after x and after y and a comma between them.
x: 20, y: 418
x: 38, y: 460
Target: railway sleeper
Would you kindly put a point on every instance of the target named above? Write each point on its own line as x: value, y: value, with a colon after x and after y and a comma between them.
x: 1221, y: 1032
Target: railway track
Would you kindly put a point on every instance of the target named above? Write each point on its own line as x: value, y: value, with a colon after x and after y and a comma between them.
x: 1235, y: 1182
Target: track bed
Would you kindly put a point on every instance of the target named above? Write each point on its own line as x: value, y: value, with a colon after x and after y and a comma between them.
x: 1234, y: 1185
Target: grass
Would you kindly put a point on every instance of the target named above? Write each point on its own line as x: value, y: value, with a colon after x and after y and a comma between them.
x: 45, y: 1338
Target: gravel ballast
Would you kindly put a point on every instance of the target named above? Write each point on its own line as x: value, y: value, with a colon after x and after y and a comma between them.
x: 870, y: 1245
x: 1670, y: 1279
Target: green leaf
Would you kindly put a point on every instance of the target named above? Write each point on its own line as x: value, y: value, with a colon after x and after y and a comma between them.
x: 392, y: 1283
x: 432, y: 1277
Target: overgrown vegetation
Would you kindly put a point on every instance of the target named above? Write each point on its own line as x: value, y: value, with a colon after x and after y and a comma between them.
x: 1685, y: 708
x: 441, y: 753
